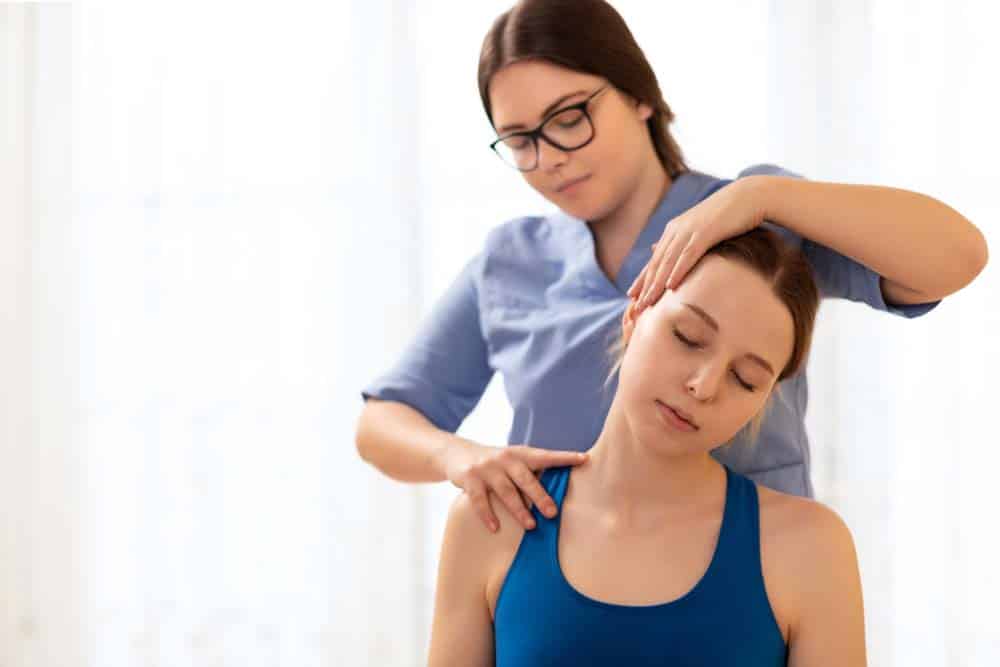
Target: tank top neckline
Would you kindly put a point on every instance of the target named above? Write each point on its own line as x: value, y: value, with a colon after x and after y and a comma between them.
x: 713, y: 565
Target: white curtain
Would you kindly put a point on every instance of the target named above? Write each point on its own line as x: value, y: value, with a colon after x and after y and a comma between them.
x: 200, y: 195
x: 218, y: 222
x: 897, y: 93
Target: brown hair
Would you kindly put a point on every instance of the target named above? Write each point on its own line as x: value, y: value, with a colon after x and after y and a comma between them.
x: 788, y: 272
x: 586, y: 36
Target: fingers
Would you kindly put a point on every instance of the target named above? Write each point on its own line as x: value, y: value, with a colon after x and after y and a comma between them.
x: 509, y: 496
x: 655, y: 269
x: 638, y: 283
x: 508, y: 475
x: 539, y: 459
x: 687, y: 259
x: 656, y: 280
x: 479, y: 495
x: 676, y: 262
x: 530, y: 486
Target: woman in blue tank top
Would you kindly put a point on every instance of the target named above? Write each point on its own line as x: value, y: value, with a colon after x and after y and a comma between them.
x: 658, y: 554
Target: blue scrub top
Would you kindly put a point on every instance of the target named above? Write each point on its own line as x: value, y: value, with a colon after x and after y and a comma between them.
x: 535, y: 306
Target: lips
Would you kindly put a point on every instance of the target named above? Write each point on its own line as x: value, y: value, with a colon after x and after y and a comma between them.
x: 680, y: 413
x: 571, y: 183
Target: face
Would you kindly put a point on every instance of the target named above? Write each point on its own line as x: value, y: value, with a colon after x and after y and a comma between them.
x: 606, y: 171
x: 711, y: 350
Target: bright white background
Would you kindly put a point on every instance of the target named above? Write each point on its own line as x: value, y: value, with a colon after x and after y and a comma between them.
x: 218, y: 222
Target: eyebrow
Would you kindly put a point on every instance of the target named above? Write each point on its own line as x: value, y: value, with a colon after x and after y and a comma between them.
x: 549, y: 109
x: 710, y: 321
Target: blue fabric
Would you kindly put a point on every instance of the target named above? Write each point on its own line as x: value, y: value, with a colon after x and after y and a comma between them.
x: 535, y: 306
x: 725, y: 619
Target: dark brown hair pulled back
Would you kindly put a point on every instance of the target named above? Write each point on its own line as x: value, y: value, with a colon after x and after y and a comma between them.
x: 587, y: 36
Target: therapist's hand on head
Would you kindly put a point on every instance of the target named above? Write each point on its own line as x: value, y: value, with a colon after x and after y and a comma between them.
x: 508, y: 473
x: 729, y: 212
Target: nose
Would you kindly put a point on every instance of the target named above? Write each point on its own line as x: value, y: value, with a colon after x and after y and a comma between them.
x: 703, y: 384
x: 550, y: 157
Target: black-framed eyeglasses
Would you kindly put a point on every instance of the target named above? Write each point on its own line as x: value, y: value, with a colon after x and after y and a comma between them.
x: 568, y: 129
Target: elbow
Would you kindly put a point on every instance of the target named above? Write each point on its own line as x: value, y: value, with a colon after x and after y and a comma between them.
x: 362, y: 435
x: 965, y: 262
x: 978, y: 255
x: 983, y: 252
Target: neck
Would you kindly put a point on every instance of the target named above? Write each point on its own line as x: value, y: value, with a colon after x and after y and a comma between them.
x: 616, y: 232
x: 634, y: 479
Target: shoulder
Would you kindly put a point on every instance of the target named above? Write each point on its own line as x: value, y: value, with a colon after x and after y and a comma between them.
x: 767, y: 169
x: 483, y: 552
x: 697, y: 185
x: 506, y: 246
x: 801, y: 525
x: 812, y: 578
x: 523, y: 257
x: 485, y: 557
x: 807, y: 555
x: 465, y: 525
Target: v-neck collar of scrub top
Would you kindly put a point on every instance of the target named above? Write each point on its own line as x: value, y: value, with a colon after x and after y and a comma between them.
x: 686, y: 190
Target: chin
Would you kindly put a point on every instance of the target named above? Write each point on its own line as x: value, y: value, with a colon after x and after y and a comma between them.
x: 576, y: 209
x: 585, y: 211
x: 588, y: 206
x: 665, y: 444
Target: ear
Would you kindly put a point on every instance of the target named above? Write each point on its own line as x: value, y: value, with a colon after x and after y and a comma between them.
x: 628, y: 321
x: 645, y: 111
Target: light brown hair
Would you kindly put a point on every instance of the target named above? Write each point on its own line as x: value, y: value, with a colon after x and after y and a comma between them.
x: 791, y: 279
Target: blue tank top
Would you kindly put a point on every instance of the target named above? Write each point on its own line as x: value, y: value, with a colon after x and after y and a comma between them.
x: 726, y: 619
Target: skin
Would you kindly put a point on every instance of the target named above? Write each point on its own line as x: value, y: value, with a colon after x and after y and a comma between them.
x: 640, y: 519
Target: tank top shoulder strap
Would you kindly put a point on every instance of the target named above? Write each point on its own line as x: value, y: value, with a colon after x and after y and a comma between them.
x: 536, y: 561
x: 739, y: 539
x: 555, y: 481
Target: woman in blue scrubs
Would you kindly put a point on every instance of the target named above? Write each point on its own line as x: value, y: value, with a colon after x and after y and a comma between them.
x: 579, y: 113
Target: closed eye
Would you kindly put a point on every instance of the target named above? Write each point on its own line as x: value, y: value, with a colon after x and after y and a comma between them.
x: 697, y: 346
x: 690, y: 343
x: 748, y: 387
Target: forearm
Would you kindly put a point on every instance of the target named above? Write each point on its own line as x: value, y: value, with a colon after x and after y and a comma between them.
x: 404, y: 444
x: 915, y: 241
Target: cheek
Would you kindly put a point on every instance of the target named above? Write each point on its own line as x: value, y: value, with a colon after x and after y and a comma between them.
x: 620, y: 163
x: 652, y: 367
x: 622, y: 140
x: 536, y: 181
x: 738, y: 411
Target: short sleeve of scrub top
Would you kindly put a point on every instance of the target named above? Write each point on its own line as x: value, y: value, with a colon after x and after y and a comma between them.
x: 445, y: 369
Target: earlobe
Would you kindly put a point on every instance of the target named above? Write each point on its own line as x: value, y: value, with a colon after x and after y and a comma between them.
x: 645, y: 111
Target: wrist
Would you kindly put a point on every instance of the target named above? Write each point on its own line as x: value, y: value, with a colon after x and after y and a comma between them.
x: 756, y: 194
x: 448, y: 450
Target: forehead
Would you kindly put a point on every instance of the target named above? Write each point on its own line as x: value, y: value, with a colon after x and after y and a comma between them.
x: 750, y: 316
x: 520, y: 91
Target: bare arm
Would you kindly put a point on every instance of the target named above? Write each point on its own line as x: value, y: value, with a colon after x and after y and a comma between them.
x: 406, y: 446
x: 923, y: 249
x: 829, y: 626
x: 462, y: 631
